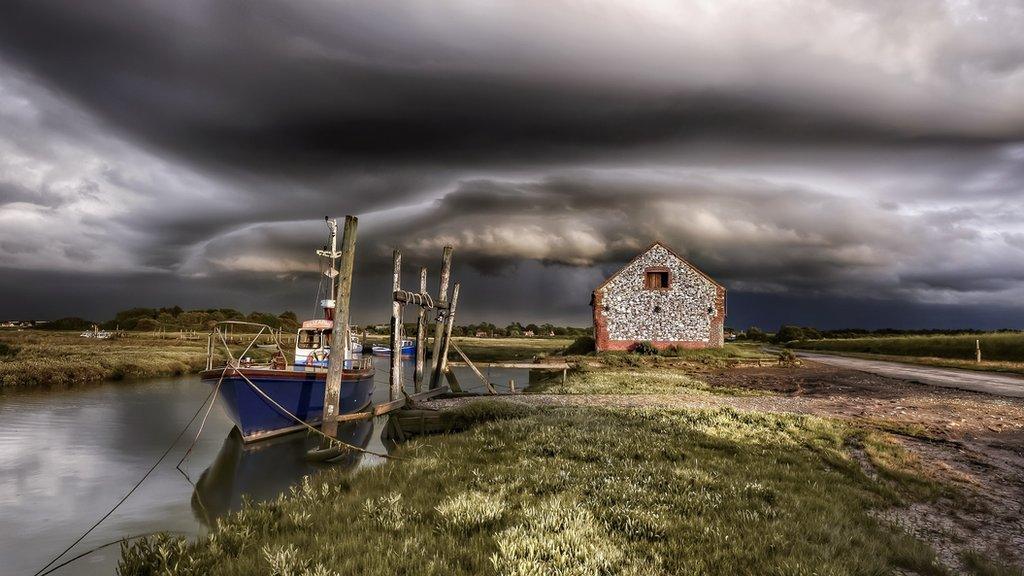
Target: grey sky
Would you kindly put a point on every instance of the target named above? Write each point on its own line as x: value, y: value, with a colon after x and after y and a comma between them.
x: 836, y: 152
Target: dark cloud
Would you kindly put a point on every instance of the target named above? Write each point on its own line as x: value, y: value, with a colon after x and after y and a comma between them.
x: 844, y: 150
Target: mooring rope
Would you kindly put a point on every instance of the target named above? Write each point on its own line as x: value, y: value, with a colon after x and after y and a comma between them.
x: 42, y: 570
x: 309, y: 426
x: 422, y: 299
x: 202, y: 425
x: 108, y: 544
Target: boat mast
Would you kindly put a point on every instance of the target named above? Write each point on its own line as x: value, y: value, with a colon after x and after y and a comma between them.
x: 332, y: 272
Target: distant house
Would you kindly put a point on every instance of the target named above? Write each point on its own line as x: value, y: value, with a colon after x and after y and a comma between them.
x: 481, y: 334
x: 661, y: 298
x: 528, y: 333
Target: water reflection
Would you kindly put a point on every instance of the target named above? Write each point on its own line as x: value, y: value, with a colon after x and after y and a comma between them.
x: 264, y: 470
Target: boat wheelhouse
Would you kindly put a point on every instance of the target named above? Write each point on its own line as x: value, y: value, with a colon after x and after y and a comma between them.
x: 313, y: 343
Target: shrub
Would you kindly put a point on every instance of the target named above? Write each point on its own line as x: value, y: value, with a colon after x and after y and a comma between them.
x: 7, y: 351
x: 581, y: 345
x: 644, y: 348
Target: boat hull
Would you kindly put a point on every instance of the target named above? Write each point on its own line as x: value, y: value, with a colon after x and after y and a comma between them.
x: 299, y: 392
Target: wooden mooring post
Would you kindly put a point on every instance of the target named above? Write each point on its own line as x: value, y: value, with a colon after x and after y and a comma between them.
x: 442, y: 296
x: 444, y: 321
x: 421, y: 337
x: 395, y: 377
x: 340, y: 339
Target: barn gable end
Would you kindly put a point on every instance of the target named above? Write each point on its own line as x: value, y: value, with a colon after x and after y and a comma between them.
x: 661, y: 298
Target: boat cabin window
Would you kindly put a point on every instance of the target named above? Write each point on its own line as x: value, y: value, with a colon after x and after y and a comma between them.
x: 309, y: 339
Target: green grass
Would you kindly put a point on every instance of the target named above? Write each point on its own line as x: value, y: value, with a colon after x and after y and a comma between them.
x: 1001, y: 347
x: 731, y: 354
x: 507, y: 349
x: 640, y: 380
x: 574, y: 491
x: 497, y: 349
x: 982, y: 565
x: 36, y: 358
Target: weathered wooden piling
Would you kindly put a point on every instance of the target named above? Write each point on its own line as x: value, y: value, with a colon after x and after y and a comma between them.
x: 442, y: 296
x: 441, y: 355
x: 339, y: 339
x: 395, y: 379
x: 421, y: 337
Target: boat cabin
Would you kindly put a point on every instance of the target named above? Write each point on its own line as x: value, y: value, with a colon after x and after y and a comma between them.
x: 313, y: 342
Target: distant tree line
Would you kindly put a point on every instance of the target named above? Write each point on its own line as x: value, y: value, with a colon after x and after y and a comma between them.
x: 176, y: 318
x: 789, y: 333
x: 489, y: 330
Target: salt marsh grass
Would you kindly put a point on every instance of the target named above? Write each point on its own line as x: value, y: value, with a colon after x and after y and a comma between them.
x: 57, y: 359
x: 1000, y: 347
x: 639, y: 380
x: 576, y: 491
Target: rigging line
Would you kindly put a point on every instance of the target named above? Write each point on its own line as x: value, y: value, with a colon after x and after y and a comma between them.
x: 130, y: 492
x: 313, y: 428
x: 201, y: 425
x: 102, y: 546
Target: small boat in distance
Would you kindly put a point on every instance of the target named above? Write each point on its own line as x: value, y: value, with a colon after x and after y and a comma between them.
x: 268, y: 398
x: 407, y: 347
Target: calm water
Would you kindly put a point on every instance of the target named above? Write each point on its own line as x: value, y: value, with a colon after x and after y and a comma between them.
x: 67, y: 456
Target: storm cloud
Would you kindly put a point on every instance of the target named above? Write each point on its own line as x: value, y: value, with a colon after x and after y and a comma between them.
x: 842, y: 152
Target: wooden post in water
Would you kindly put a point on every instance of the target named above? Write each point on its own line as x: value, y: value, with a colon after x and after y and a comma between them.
x: 339, y: 335
x: 395, y: 379
x: 441, y: 356
x: 421, y: 337
x: 442, y: 296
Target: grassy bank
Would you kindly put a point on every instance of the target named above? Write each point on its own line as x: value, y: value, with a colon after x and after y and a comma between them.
x: 497, y: 349
x: 575, y: 491
x: 630, y: 380
x: 731, y: 354
x: 1001, y: 347
x: 34, y: 358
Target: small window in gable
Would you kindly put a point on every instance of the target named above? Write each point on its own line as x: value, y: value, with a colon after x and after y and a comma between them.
x: 656, y: 279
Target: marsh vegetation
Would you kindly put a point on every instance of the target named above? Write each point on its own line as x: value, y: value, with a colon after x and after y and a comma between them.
x: 582, y: 491
x: 36, y: 358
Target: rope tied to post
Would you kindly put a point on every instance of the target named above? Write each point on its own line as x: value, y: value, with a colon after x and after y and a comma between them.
x: 421, y: 299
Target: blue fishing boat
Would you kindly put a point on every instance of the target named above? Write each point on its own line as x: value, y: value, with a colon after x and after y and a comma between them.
x: 269, y: 398
x: 267, y: 401
x: 407, y: 347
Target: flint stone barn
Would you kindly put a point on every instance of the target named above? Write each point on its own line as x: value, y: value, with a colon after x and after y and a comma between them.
x: 661, y: 298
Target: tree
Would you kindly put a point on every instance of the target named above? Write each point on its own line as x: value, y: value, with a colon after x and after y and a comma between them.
x: 788, y: 334
x: 756, y: 334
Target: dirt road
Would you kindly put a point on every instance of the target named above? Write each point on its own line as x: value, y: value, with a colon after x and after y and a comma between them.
x: 986, y: 382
